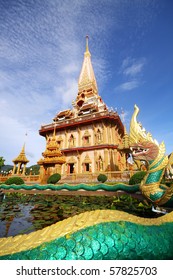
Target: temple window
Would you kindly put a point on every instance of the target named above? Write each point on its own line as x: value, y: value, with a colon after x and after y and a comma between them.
x: 87, y: 164
x: 86, y: 167
x: 86, y: 138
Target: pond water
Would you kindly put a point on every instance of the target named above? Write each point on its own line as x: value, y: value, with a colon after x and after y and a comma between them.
x: 21, y: 213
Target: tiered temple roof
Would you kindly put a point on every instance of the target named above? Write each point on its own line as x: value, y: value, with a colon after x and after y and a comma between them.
x: 88, y: 99
x: 21, y: 158
x: 52, y: 154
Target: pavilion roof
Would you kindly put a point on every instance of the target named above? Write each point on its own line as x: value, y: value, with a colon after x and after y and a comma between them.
x: 21, y: 157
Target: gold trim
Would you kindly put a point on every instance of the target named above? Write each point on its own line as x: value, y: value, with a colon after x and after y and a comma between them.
x: 137, y: 133
x: 160, y: 154
x: 162, y: 165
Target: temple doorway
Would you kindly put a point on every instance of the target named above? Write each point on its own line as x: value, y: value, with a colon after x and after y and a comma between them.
x: 71, y: 167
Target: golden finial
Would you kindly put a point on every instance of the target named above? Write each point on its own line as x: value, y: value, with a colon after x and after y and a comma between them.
x: 54, y: 132
x: 23, y: 149
x: 87, y: 49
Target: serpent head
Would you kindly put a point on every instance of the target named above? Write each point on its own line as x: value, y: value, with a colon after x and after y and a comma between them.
x: 142, y: 145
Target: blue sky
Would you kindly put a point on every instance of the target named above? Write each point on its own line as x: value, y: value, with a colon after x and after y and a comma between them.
x: 41, y: 53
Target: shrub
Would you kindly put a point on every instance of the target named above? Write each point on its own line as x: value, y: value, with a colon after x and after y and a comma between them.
x: 53, y: 179
x: 102, y: 178
x: 14, y: 180
x: 137, y: 178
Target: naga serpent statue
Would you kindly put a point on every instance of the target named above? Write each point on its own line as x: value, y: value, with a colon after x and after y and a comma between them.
x: 108, y: 234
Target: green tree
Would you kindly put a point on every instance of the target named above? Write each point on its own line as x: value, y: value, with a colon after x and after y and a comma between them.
x: 2, y: 160
x: 33, y: 170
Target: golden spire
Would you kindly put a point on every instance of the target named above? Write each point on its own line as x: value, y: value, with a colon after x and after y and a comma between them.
x: 87, y: 77
x: 52, y: 154
x: 21, y: 157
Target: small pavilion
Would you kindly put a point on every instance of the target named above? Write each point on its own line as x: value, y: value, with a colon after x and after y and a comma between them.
x: 20, y: 163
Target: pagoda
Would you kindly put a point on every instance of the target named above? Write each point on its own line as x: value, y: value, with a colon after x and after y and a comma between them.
x: 20, y: 163
x: 89, y: 133
x: 52, y: 159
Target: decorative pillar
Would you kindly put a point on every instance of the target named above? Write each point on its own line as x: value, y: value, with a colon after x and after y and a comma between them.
x: 24, y: 169
x: 115, y: 158
x: 104, y: 133
x: 41, y: 173
x: 95, y: 164
x: 14, y: 169
x: 110, y: 134
x: 94, y: 134
x: 79, y: 136
x: 79, y: 163
x: 66, y: 146
x: 18, y: 169
x: 106, y: 162
x: 113, y: 134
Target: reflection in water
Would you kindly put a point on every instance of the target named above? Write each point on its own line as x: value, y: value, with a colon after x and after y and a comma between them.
x: 21, y: 213
x: 16, y: 221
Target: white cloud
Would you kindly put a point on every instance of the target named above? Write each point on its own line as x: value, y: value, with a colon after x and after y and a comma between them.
x: 66, y: 92
x: 131, y: 70
x: 134, y: 69
x: 127, y: 86
x: 132, y: 66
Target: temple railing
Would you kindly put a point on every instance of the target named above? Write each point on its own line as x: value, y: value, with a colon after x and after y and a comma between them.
x: 28, y: 179
x: 86, y: 177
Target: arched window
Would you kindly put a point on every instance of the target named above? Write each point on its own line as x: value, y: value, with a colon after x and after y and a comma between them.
x: 86, y: 138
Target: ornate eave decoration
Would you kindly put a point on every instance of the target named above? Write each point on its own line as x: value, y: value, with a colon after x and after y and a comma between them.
x: 72, y: 160
x: 87, y: 159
